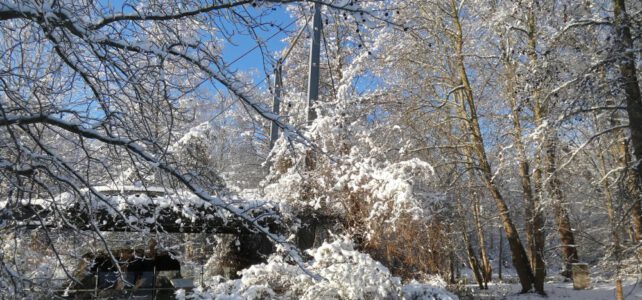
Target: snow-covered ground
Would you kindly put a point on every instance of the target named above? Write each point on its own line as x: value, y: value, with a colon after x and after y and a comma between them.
x: 599, y: 291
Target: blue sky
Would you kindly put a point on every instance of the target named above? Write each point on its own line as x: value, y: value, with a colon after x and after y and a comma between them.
x: 242, y: 43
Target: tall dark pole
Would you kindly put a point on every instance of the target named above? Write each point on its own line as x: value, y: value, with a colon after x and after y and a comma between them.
x: 315, y: 51
x: 278, y: 86
x: 276, y: 102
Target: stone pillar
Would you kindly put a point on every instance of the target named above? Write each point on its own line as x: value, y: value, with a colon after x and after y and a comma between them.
x: 581, y: 277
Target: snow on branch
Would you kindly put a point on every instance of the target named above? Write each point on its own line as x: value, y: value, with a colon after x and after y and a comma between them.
x: 136, y: 149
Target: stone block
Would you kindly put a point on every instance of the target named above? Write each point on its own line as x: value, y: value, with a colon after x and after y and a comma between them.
x: 581, y: 277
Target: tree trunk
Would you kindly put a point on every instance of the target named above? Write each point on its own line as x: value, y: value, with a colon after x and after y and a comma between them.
x: 567, y: 238
x: 548, y: 148
x: 469, y: 114
x: 473, y: 261
x: 630, y: 85
x: 534, y: 219
x: 612, y: 150
x: 631, y: 184
x: 633, y: 189
x: 486, y: 268
x: 472, y: 257
x: 520, y: 259
x: 610, y: 209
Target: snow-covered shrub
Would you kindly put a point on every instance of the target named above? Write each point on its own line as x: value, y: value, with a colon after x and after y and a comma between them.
x: 196, y: 151
x: 346, y: 274
x: 387, y: 203
x: 421, y: 291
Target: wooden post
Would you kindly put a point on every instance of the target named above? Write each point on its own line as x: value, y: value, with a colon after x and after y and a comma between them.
x: 96, y: 286
x: 154, y: 282
x: 501, y: 254
x: 618, y: 289
x: 452, y: 267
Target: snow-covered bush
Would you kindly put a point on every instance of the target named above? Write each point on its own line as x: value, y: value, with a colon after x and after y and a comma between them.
x: 419, y: 291
x: 387, y: 202
x: 345, y: 274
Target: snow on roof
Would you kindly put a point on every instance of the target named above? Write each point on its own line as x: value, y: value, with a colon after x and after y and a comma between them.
x: 139, y: 206
x: 107, y: 189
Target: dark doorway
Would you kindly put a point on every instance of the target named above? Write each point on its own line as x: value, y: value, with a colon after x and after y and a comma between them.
x: 140, y: 276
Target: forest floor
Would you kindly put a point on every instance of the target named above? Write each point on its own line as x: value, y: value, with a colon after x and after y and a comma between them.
x: 555, y: 290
